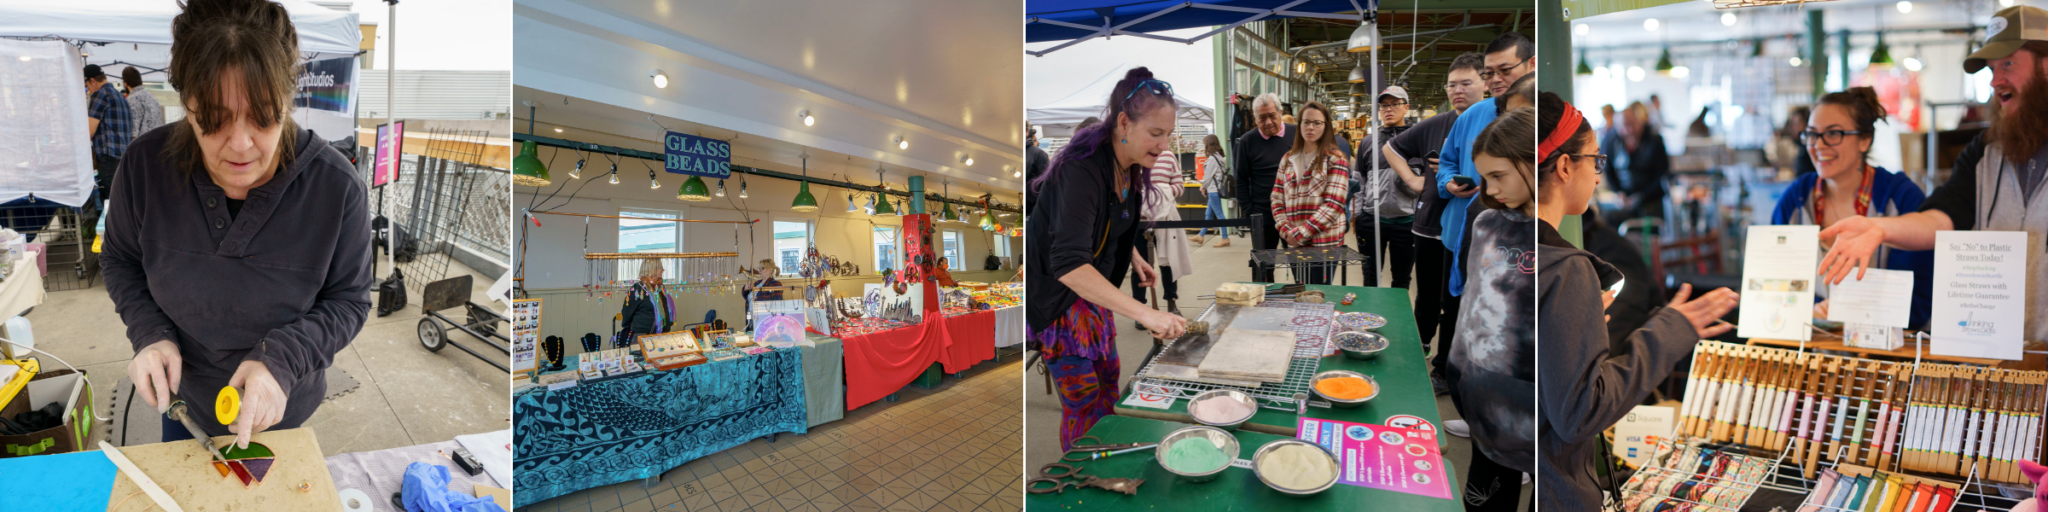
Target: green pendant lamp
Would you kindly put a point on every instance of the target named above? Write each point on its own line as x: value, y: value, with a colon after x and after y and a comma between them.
x: 1584, y: 68
x: 805, y: 202
x: 1881, y: 57
x: 882, y: 208
x: 527, y: 168
x: 1664, y: 61
x: 946, y: 213
x: 694, y: 190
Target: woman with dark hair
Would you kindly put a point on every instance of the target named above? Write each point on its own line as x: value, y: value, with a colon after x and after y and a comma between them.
x: 1309, y: 191
x: 236, y: 193
x: 1493, y: 355
x: 1085, y: 240
x: 1837, y: 137
x: 1214, y: 174
x: 1586, y: 387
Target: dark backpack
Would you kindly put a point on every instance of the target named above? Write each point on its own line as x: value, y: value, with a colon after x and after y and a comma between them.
x: 391, y: 293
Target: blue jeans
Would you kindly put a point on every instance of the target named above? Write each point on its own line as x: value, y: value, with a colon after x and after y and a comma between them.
x: 1215, y: 212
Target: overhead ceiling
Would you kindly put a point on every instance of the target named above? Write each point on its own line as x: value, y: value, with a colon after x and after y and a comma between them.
x: 946, y: 76
x: 1700, y: 21
x: 1452, y: 33
x: 586, y: 121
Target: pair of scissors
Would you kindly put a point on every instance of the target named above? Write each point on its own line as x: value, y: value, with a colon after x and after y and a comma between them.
x: 1058, y: 476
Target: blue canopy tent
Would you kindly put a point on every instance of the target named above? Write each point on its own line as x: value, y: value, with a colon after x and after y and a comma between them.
x: 1079, y: 20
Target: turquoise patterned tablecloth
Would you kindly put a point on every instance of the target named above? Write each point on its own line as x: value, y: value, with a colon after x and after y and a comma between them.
x: 633, y: 427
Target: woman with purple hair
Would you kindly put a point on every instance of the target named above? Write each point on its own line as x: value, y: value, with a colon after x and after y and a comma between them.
x: 1085, y: 240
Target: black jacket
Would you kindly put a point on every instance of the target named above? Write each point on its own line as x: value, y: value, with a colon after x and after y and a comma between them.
x: 1083, y: 222
x: 1257, y: 161
x: 1035, y: 161
x: 1585, y: 387
x: 286, y: 281
x: 638, y: 314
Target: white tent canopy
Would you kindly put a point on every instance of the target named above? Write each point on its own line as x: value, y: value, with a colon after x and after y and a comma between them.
x: 1058, y: 119
x: 138, y: 32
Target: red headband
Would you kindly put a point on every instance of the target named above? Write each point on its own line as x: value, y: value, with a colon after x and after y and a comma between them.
x: 1566, y: 126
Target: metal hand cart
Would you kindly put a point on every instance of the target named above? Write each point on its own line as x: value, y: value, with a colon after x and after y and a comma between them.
x: 482, y: 322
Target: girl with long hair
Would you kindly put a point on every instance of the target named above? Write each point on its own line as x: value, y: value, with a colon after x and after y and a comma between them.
x: 1083, y: 242
x: 1310, y: 191
x: 1214, y: 176
x: 1493, y: 355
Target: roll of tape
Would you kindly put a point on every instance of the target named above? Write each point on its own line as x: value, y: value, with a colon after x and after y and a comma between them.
x: 355, y: 500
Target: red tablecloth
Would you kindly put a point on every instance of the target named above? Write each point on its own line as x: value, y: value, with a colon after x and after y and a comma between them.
x: 882, y: 362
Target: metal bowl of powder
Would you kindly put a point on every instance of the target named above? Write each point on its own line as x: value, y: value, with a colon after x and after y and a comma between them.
x: 1199, y: 463
x: 1295, y: 467
x: 1314, y: 384
x: 1360, y: 345
x: 1222, y: 408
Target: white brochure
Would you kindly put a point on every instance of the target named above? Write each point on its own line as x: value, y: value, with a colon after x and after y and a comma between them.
x: 1882, y: 297
x: 1777, y: 282
x: 1979, y: 293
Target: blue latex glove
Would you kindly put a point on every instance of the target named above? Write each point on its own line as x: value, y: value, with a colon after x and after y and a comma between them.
x: 426, y: 490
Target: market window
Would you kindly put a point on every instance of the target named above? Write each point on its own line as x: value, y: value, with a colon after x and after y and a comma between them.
x: 646, y: 236
x: 1002, y: 246
x: 792, y: 239
x: 953, y: 251
x: 649, y: 235
x: 885, y: 248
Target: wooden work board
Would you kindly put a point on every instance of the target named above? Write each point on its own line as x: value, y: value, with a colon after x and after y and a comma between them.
x: 184, y: 471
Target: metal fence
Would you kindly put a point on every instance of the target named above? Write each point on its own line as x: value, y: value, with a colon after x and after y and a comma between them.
x: 439, y: 201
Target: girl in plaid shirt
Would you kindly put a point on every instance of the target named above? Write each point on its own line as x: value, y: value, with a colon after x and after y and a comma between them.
x: 1309, y: 190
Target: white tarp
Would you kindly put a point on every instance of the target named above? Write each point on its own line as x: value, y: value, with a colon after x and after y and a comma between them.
x: 1058, y: 119
x: 44, y: 149
x: 138, y: 32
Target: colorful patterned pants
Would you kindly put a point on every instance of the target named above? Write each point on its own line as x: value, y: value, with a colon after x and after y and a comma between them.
x: 1080, y: 352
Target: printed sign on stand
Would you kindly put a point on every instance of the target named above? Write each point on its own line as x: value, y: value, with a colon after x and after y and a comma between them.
x: 1980, y: 294
x: 1381, y: 457
x: 390, y: 146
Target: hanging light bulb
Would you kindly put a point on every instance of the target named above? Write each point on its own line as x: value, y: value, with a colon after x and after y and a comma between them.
x: 721, y: 188
x: 850, y: 207
x: 653, y: 181
x: 1018, y: 173
x: 870, y: 207
x: 1727, y: 19
x: 577, y: 173
x: 1635, y: 73
x: 1584, y: 67
x: 743, y: 188
x: 1664, y: 61
x: 1881, y: 57
x: 1913, y: 63
x: 615, y: 174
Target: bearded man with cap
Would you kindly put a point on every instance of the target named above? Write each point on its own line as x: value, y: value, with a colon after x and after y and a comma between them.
x: 1998, y: 180
x: 1383, y: 197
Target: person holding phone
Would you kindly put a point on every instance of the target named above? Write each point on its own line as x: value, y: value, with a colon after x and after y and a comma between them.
x: 1586, y: 387
x: 1412, y: 158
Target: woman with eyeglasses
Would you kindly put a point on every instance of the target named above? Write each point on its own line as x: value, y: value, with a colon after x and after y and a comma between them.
x: 1084, y: 240
x: 1837, y: 137
x: 1310, y: 190
x: 1587, y: 387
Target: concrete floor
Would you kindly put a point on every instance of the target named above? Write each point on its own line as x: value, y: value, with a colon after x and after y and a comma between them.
x: 1217, y: 265
x: 408, y: 395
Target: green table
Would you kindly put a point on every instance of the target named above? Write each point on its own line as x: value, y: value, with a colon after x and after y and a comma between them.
x: 1402, y: 371
x: 1235, y: 489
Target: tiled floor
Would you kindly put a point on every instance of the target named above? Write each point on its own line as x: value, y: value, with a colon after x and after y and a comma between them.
x: 957, y: 448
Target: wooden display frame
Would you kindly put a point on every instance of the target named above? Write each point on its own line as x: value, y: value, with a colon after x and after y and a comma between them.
x: 531, y: 334
x: 689, y: 351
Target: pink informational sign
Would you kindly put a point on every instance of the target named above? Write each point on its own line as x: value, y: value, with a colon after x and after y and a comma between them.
x: 1382, y: 457
x: 390, y: 144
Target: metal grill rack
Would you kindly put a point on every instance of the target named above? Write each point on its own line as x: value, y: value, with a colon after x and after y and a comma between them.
x: 1312, y: 329
x: 430, y: 203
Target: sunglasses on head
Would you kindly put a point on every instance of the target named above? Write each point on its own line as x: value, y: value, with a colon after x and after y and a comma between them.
x: 1157, y: 86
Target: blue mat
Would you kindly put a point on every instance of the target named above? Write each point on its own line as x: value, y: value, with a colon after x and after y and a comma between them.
x: 637, y: 426
x: 69, y: 481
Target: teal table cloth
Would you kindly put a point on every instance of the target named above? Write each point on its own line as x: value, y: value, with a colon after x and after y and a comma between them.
x: 627, y: 428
